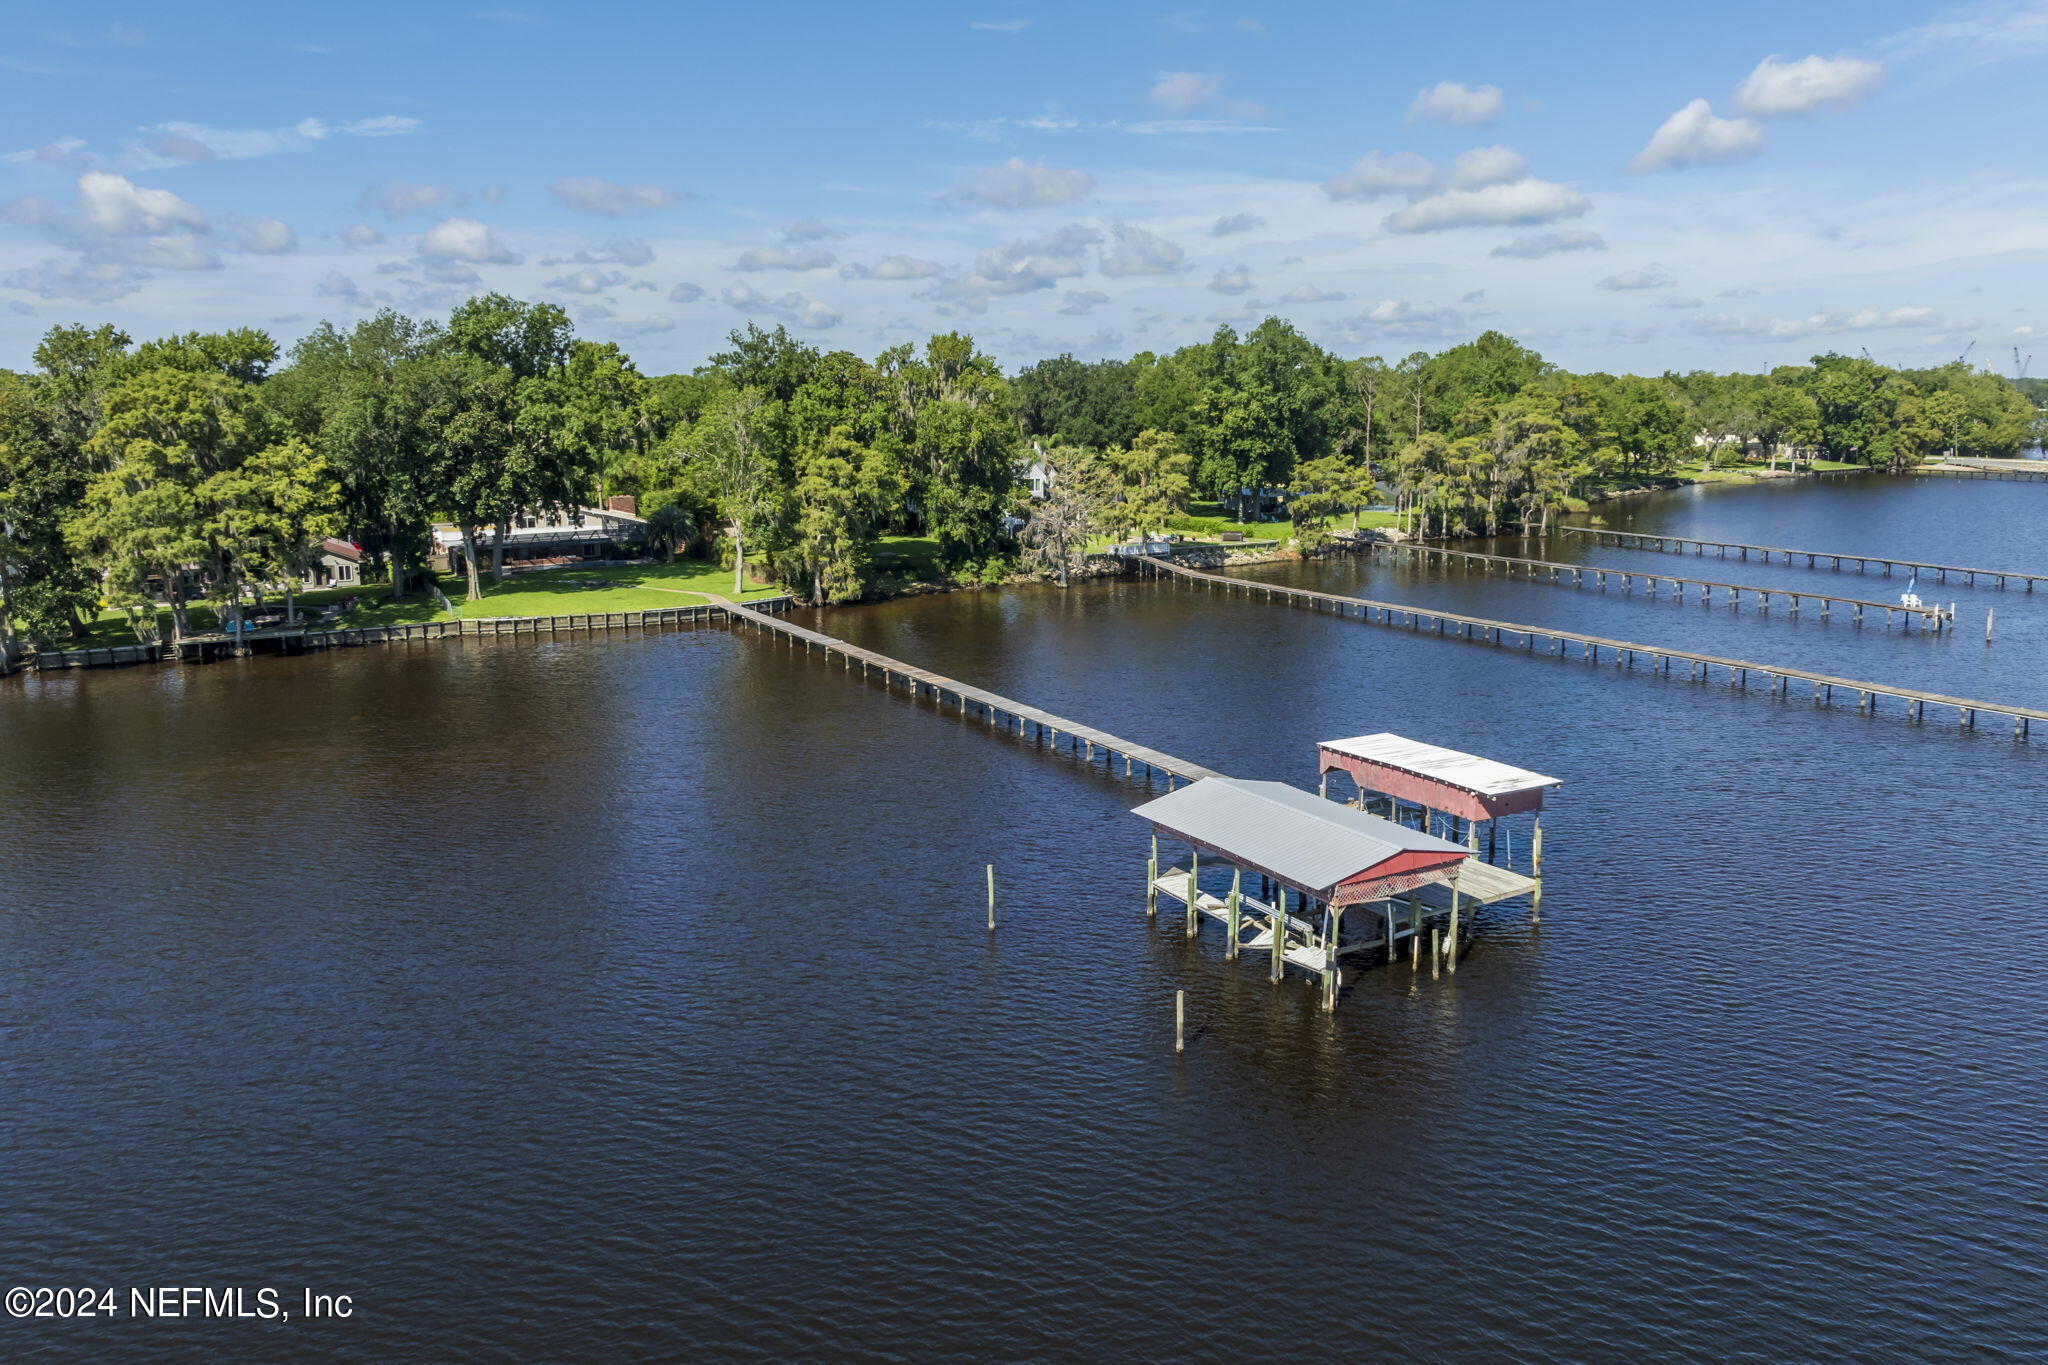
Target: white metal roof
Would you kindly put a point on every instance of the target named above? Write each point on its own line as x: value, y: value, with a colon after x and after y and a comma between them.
x: 1467, y: 772
x: 1297, y: 836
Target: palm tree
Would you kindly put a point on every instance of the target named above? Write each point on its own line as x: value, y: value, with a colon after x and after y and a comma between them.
x: 673, y: 528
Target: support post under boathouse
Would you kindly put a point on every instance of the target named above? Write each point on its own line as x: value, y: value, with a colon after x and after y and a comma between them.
x: 1317, y: 862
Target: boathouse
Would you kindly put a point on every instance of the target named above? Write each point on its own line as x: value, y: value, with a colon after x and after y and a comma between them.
x: 1332, y: 857
x: 1464, y: 786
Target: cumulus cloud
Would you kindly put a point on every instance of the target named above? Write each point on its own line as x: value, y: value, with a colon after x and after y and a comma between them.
x: 1080, y: 301
x: 1868, y: 319
x: 641, y: 327
x: 362, y: 234
x: 336, y: 285
x: 787, y: 256
x: 120, y: 230
x: 265, y: 236
x: 630, y: 251
x: 1538, y: 245
x: 63, y: 151
x: 1032, y: 263
x: 1018, y: 183
x: 1483, y: 166
x: 1779, y: 87
x: 1308, y: 293
x: 1378, y: 174
x: 465, y: 239
x: 1462, y: 106
x: 588, y: 280
x: 590, y: 194
x: 83, y: 281
x: 1402, y: 317
x: 401, y: 198
x: 1697, y: 136
x: 1234, y: 280
x: 894, y: 268
x: 1177, y: 92
x: 794, y: 308
x: 1232, y: 223
x: 685, y: 293
x: 1519, y: 203
x: 1652, y: 276
x: 1138, y: 251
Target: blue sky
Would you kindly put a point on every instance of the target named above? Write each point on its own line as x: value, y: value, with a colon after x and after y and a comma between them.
x: 1630, y: 188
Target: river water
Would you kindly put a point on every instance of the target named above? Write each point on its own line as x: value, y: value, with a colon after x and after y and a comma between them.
x: 629, y: 998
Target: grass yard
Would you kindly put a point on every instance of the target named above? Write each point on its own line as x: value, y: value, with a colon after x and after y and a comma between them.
x: 630, y: 587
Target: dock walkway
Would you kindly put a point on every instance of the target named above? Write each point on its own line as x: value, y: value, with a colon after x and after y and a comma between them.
x: 1622, y: 652
x: 1641, y: 540
x: 1535, y: 569
x: 1084, y: 739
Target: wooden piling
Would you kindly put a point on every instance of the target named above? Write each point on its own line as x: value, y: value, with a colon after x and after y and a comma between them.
x: 1236, y: 885
x: 1194, y: 890
x: 991, y: 898
x: 1180, y: 1022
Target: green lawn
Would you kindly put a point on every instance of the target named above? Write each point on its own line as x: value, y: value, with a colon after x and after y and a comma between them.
x: 555, y: 592
x: 631, y: 587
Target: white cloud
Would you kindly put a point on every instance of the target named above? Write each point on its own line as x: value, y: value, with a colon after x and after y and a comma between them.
x: 63, y: 151
x: 114, y: 204
x: 85, y: 281
x: 383, y: 125
x: 894, y: 268
x: 1308, y: 293
x: 1018, y: 183
x: 685, y: 293
x: 1519, y: 203
x: 1081, y: 301
x: 1652, y: 276
x: 629, y: 251
x: 1033, y: 263
x: 1483, y: 166
x: 590, y: 194
x: 588, y: 280
x: 1234, y: 280
x: 1139, y: 251
x: 788, y: 256
x: 1400, y: 317
x: 265, y: 236
x: 1462, y: 106
x: 1778, y: 87
x: 401, y: 198
x: 794, y: 308
x: 1177, y: 92
x: 1696, y: 136
x: 1867, y: 319
x: 1378, y: 174
x: 1231, y: 223
x: 1538, y: 245
x: 362, y: 234
x: 465, y: 239
x: 336, y: 285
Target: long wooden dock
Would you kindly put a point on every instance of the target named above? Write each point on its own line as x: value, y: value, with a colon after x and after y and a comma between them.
x: 1987, y: 469
x: 1084, y: 740
x: 1642, y: 540
x: 1577, y: 575
x: 1623, y: 653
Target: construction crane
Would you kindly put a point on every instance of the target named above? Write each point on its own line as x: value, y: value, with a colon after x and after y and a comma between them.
x: 1964, y: 358
x: 2019, y: 367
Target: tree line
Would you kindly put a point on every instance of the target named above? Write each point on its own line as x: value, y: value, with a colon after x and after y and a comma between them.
x: 211, y: 466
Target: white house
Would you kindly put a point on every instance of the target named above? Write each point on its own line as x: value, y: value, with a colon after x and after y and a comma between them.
x: 339, y: 565
x: 539, y: 539
x: 1041, y: 475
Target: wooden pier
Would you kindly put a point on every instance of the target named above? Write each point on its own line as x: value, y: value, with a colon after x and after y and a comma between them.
x: 1623, y: 653
x: 1536, y: 569
x: 1084, y: 740
x: 1640, y: 540
x: 2014, y: 470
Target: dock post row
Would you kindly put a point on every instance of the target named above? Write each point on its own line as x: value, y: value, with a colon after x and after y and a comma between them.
x: 1623, y: 653
x: 1647, y: 540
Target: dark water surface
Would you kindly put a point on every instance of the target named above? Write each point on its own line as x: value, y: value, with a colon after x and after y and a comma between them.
x: 629, y: 998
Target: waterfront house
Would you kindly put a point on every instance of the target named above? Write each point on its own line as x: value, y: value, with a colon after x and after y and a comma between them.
x: 546, y: 540
x: 338, y: 565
